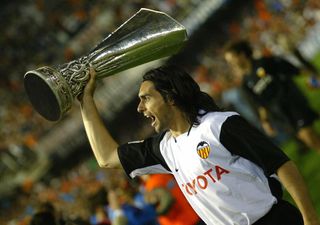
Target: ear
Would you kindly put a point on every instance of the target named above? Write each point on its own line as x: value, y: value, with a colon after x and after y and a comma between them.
x: 171, y: 102
x: 170, y: 97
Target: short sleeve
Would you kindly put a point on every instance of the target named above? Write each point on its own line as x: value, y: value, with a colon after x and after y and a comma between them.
x: 243, y: 139
x: 284, y: 67
x: 143, y: 157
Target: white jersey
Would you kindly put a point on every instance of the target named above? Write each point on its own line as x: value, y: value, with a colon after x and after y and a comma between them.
x: 222, y: 173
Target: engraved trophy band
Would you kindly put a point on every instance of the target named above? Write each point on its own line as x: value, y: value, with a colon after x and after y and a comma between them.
x: 148, y: 35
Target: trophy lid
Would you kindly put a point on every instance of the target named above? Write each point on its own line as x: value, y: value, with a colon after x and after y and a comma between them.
x: 48, y: 92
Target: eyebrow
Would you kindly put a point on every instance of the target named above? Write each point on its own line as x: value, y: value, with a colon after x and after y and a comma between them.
x: 143, y: 95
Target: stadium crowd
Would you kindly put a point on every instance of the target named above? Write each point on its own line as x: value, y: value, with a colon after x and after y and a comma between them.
x: 55, y: 32
x: 52, y: 34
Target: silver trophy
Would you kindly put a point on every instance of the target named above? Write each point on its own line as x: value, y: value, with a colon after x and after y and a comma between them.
x: 148, y: 35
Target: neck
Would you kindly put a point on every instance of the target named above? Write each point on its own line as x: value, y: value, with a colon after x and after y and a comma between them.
x: 180, y: 126
x: 248, y: 67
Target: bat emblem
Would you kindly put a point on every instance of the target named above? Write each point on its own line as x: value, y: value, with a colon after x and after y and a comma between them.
x: 203, y: 149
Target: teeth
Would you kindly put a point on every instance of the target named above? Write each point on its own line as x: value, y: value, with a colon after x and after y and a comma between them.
x: 150, y: 117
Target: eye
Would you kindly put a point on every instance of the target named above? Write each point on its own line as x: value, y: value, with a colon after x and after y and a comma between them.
x: 146, y: 98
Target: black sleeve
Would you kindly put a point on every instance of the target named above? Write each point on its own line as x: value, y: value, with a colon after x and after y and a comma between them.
x: 256, y: 102
x: 282, y: 68
x: 242, y: 139
x: 141, y: 154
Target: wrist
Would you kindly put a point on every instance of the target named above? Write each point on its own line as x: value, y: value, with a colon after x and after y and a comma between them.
x: 86, y: 98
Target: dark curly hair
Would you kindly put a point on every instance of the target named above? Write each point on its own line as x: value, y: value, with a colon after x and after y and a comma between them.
x: 172, y: 82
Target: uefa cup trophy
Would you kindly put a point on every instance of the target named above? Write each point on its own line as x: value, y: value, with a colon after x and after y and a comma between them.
x: 148, y: 35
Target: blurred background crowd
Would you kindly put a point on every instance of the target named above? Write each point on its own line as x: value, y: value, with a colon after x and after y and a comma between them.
x: 66, y: 178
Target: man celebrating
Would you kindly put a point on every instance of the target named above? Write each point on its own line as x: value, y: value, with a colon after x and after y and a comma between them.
x: 225, y: 168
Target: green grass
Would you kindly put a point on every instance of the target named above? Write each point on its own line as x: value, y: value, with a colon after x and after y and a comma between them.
x: 308, y: 163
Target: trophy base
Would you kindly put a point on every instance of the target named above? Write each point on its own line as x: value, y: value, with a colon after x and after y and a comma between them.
x: 43, y: 87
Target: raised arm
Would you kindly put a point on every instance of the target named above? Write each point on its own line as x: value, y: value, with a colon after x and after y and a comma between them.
x: 102, y: 143
x: 295, y: 185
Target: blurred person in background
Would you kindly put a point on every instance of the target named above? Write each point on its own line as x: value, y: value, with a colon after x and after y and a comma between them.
x: 162, y: 191
x: 269, y: 81
x: 41, y: 218
x: 98, y: 203
x: 127, y: 205
x: 115, y: 209
x: 47, y: 214
x: 225, y: 167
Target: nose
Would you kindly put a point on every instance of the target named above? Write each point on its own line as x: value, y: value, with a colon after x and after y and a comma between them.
x: 140, y: 107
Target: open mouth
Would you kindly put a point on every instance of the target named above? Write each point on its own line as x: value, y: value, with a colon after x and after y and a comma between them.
x: 152, y: 118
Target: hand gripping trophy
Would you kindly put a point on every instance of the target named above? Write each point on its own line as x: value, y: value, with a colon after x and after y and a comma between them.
x: 148, y: 35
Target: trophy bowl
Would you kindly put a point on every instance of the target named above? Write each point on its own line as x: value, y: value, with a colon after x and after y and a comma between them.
x: 48, y: 92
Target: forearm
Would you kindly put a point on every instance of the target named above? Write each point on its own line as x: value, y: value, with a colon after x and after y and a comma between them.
x: 103, y: 145
x: 265, y: 122
x: 295, y: 185
x: 263, y: 114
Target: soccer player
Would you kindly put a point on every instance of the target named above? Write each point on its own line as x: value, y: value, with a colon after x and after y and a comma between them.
x: 226, y: 168
x: 269, y: 81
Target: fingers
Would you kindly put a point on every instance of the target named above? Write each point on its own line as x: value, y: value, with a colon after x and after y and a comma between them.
x: 92, y: 79
x: 89, y: 87
x: 92, y: 76
x: 92, y: 73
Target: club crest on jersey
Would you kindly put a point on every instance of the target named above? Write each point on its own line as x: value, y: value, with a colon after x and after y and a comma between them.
x: 203, y: 149
x: 261, y: 72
